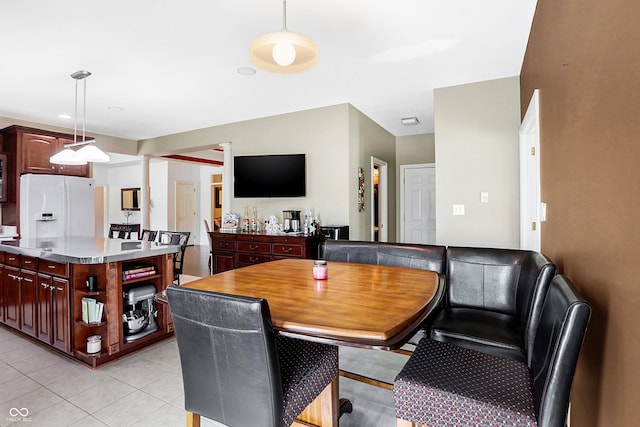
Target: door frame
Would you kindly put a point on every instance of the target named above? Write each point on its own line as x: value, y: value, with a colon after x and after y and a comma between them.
x: 403, y: 168
x: 530, y: 201
x: 383, y: 197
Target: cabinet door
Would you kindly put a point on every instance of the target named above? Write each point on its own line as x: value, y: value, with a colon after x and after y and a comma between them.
x: 223, y: 261
x: 28, y: 305
x: 44, y: 290
x: 11, y: 297
x: 1, y: 293
x: 36, y: 150
x: 61, y: 314
x: 75, y: 170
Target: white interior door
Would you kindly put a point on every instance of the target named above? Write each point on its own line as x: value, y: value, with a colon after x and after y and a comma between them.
x: 186, y: 218
x: 530, y: 215
x: 418, y: 204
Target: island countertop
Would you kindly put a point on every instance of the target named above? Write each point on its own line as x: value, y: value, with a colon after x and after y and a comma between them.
x: 86, y: 250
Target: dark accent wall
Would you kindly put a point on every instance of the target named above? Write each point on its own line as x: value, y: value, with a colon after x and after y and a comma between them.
x: 584, y: 57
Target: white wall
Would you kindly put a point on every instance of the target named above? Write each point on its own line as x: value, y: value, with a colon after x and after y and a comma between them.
x: 476, y: 146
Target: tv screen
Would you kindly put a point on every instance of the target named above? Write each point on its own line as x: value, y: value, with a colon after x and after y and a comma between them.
x: 278, y: 175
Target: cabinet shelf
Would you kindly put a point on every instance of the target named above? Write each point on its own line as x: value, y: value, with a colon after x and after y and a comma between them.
x: 141, y: 279
x: 90, y: 325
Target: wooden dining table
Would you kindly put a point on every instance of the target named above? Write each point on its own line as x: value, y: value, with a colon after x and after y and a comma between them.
x: 358, y: 305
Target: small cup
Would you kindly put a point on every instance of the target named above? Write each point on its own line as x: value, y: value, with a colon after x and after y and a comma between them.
x: 92, y: 283
x: 320, y: 271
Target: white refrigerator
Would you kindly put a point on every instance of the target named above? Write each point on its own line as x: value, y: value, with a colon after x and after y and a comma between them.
x: 56, y: 206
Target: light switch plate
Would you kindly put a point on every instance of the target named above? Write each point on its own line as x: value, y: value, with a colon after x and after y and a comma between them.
x: 458, y: 209
x: 484, y: 197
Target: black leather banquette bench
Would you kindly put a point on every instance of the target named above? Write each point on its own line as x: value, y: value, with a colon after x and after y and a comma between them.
x: 492, y: 298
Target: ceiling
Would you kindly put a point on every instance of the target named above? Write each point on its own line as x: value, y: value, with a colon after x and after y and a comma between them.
x: 161, y: 66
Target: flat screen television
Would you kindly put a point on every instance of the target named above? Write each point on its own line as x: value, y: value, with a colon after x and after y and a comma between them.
x: 275, y: 175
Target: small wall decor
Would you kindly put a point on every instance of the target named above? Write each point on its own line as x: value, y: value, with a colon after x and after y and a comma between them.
x: 360, y: 189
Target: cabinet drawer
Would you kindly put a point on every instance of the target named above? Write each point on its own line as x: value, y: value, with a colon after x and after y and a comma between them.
x: 12, y: 259
x: 224, y: 245
x: 54, y: 268
x: 248, y: 259
x: 29, y: 263
x: 254, y: 247
x: 287, y: 250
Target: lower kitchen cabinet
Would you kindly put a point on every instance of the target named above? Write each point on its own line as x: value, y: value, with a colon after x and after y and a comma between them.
x: 54, y: 325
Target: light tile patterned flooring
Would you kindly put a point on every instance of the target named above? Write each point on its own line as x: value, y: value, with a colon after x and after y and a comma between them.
x: 145, y: 389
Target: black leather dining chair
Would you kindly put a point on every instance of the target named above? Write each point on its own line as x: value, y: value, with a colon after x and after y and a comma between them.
x: 446, y: 384
x: 237, y: 371
x: 180, y: 238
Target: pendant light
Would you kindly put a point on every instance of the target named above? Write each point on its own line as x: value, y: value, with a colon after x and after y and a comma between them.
x: 88, y: 152
x: 284, y: 51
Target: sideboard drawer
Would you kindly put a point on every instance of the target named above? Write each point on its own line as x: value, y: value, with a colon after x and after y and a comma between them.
x: 287, y: 250
x: 254, y: 247
x: 249, y: 259
x: 54, y: 268
x: 224, y: 245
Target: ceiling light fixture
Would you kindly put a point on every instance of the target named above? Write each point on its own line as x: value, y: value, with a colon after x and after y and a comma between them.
x: 284, y: 51
x: 408, y: 121
x: 88, y: 152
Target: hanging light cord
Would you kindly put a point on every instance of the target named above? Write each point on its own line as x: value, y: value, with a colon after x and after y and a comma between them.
x: 284, y: 15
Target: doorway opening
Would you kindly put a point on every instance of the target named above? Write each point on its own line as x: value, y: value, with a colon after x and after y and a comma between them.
x: 379, y: 196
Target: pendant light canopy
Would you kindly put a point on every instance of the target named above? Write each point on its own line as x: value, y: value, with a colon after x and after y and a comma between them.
x: 88, y: 152
x: 284, y: 51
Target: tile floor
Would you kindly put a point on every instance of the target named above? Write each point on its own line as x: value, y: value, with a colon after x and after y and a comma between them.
x: 145, y: 389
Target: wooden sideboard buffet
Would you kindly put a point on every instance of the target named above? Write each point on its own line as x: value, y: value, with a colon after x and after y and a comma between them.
x: 235, y: 250
x: 41, y: 292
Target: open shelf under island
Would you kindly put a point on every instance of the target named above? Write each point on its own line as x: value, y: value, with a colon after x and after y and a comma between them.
x: 44, y: 294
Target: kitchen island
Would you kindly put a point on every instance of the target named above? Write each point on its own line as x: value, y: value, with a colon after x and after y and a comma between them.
x: 43, y: 283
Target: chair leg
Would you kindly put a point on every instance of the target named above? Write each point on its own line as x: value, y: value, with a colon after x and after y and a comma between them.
x: 193, y: 419
x: 324, y: 411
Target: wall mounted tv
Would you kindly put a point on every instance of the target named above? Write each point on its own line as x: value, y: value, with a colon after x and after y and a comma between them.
x: 276, y: 175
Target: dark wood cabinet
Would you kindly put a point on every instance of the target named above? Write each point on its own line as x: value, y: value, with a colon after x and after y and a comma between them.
x: 28, y: 304
x: 11, y: 296
x: 54, y: 326
x: 28, y: 151
x: 235, y: 250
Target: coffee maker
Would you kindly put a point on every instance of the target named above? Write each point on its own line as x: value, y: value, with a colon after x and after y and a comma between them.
x: 139, y: 312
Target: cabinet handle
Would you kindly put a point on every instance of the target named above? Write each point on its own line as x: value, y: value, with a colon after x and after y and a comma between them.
x: 44, y: 285
x: 253, y: 259
x: 26, y: 279
x: 28, y: 261
x: 224, y: 245
x: 51, y: 267
x: 287, y: 249
x: 58, y: 288
x: 253, y: 247
x: 14, y: 277
x: 12, y: 258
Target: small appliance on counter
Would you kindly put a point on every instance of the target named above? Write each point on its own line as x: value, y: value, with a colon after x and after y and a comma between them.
x: 291, y: 221
x: 139, y: 312
x: 335, y: 232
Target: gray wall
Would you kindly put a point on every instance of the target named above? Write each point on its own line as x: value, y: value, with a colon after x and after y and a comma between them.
x: 476, y: 128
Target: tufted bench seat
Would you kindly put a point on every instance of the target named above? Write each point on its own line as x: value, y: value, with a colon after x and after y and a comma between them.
x: 447, y: 385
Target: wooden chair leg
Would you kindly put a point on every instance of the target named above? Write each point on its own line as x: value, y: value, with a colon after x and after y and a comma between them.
x: 193, y: 420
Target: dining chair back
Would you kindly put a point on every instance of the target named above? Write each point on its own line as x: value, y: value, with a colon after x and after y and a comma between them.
x: 179, y: 238
x: 208, y: 230
x: 148, y: 235
x: 236, y: 370
x: 119, y: 233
